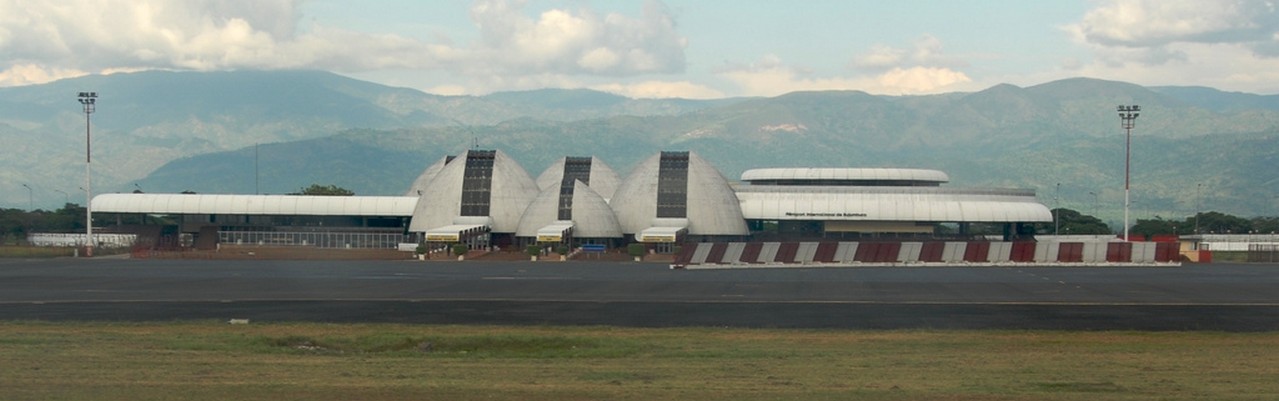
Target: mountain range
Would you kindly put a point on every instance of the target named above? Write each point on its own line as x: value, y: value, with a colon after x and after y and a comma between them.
x: 144, y: 120
x: 1193, y: 148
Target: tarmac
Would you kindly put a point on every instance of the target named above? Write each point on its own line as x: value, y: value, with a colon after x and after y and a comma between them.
x: 1217, y: 297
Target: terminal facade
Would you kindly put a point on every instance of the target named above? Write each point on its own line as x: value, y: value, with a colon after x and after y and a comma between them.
x: 483, y: 198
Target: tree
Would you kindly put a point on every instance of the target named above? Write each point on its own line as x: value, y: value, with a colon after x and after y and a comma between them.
x: 1220, y: 223
x: 460, y: 249
x: 636, y: 250
x: 1265, y: 225
x: 324, y: 190
x: 1158, y: 226
x: 1072, y: 222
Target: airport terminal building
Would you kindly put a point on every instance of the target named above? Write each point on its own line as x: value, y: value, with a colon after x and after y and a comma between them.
x: 483, y: 198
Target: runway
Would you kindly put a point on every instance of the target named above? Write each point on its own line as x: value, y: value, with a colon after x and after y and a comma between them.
x: 1226, y: 297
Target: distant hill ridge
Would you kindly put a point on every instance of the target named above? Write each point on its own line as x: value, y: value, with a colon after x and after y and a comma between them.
x: 197, y: 131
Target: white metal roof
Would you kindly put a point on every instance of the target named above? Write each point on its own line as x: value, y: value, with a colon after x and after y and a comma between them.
x: 712, y: 208
x: 660, y: 234
x: 454, y: 232
x: 929, y: 204
x: 556, y: 230
x: 603, y: 180
x: 590, y: 213
x: 820, y: 173
x: 511, y: 192
x: 287, y: 205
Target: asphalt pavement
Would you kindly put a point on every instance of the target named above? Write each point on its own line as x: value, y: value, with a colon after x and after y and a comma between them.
x: 1226, y: 297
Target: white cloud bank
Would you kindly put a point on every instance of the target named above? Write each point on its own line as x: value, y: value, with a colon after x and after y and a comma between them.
x: 920, y: 69
x: 42, y: 41
x: 1229, y: 44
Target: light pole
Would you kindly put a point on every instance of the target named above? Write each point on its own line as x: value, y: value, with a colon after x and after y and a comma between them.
x: 1057, y: 210
x: 88, y: 100
x: 1095, y: 199
x: 1198, y: 205
x: 1127, y: 116
x: 66, y: 198
x: 31, y: 202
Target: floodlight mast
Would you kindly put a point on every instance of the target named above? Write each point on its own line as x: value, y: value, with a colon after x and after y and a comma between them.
x: 1057, y: 211
x: 31, y: 203
x: 1127, y: 116
x: 88, y: 100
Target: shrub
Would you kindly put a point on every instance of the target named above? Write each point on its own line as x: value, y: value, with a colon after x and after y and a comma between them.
x: 460, y: 249
x: 562, y: 250
x: 533, y: 250
x: 636, y: 250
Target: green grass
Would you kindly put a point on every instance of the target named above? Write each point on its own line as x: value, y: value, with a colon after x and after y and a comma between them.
x: 216, y: 361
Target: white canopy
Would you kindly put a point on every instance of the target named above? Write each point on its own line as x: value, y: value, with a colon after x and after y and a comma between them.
x: 554, y: 232
x: 660, y: 234
x: 454, y: 232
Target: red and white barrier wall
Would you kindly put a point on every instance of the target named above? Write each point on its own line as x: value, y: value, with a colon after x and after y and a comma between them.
x: 730, y: 254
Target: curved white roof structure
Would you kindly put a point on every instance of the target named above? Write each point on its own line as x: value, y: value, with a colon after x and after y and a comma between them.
x: 907, y: 204
x: 419, y: 185
x: 287, y: 205
x: 590, y: 215
x: 704, y: 198
x: 602, y: 179
x: 477, y: 183
x: 848, y: 174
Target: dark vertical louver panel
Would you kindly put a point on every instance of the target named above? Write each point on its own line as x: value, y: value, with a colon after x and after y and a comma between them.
x: 575, y: 169
x: 672, y: 185
x: 477, y: 182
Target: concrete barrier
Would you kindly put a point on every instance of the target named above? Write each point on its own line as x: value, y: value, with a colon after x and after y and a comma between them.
x: 928, y: 253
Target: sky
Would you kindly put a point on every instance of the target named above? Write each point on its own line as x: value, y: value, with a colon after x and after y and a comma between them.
x: 658, y: 49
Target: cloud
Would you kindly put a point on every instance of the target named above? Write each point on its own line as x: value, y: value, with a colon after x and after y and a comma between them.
x: 1139, y: 23
x: 920, y: 69
x: 1231, y: 45
x: 920, y: 79
x: 25, y: 74
x: 924, y: 52
x: 771, y: 77
x: 1157, y: 24
x: 49, y: 40
x: 880, y: 57
x: 1232, y: 68
x: 580, y: 41
x: 661, y: 89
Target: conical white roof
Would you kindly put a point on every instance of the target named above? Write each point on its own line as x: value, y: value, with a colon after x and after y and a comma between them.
x: 511, y: 191
x: 603, y: 179
x: 592, y: 218
x: 711, y: 206
x: 419, y: 185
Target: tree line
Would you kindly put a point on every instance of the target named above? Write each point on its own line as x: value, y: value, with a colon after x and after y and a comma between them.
x: 1071, y: 222
x: 15, y: 224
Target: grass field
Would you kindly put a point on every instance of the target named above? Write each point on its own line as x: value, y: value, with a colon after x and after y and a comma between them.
x: 217, y: 361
